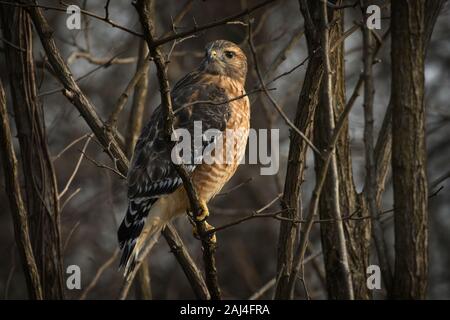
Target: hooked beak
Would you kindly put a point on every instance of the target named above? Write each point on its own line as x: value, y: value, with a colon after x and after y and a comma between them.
x: 212, y: 55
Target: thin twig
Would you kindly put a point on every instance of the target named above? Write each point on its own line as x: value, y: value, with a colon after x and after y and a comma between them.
x: 69, y: 236
x: 196, y: 29
x: 273, y: 102
x: 439, y: 180
x: 70, y: 197
x: 82, y: 77
x: 70, y: 145
x: 112, y: 121
x: 64, y: 9
x: 104, y: 166
x: 99, y: 273
x: 9, y: 43
x: 238, y: 186
x: 99, y: 61
x: 370, y: 192
x: 271, y: 283
x: 77, y: 166
x: 218, y: 103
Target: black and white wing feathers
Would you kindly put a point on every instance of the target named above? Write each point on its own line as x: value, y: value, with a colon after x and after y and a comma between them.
x: 152, y: 173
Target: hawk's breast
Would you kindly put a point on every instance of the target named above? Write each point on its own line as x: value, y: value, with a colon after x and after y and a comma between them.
x: 210, y: 178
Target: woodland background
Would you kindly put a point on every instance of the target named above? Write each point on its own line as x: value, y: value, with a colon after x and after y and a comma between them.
x: 60, y: 162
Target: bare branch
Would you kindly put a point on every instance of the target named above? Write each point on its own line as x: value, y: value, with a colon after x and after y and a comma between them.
x: 70, y: 145
x: 104, y: 166
x: 333, y: 175
x: 143, y: 9
x: 136, y: 116
x: 99, y: 273
x: 77, y: 166
x: 190, y: 269
x: 69, y: 236
x: 370, y: 192
x: 271, y: 283
x: 99, y: 61
x: 272, y: 101
x: 70, y: 197
x: 64, y: 9
x: 313, y: 206
x: 196, y: 29
x: 142, y: 71
x: 18, y: 211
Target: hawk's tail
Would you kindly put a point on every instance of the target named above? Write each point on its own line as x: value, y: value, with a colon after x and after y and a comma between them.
x: 138, y: 237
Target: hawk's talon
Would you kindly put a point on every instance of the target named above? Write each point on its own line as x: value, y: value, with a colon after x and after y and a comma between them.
x: 212, y: 237
x: 208, y: 227
x: 204, y: 212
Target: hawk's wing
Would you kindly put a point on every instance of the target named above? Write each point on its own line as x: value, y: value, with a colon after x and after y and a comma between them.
x: 152, y: 173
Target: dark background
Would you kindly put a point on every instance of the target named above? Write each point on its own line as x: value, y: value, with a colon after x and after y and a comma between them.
x: 246, y: 255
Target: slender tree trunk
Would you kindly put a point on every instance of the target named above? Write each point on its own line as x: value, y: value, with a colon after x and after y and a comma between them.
x: 357, y: 235
x: 39, y: 176
x: 408, y: 150
x: 134, y: 125
x: 17, y: 207
x: 383, y: 148
x: 371, y: 186
x: 306, y: 107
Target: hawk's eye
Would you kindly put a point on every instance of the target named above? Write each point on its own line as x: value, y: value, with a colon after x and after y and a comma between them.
x: 229, y: 54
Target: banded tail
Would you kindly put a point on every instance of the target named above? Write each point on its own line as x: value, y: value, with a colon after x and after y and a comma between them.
x: 139, y: 230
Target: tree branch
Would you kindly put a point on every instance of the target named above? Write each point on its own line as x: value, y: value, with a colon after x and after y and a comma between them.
x: 144, y: 10
x: 17, y: 207
x: 82, y: 103
x: 371, y: 182
x: 196, y: 29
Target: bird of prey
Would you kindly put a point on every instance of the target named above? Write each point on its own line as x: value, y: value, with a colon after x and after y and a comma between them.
x: 213, y: 95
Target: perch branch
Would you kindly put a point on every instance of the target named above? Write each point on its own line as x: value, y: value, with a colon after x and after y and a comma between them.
x: 143, y: 8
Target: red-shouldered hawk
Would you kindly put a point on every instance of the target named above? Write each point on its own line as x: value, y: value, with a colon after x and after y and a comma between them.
x: 155, y: 190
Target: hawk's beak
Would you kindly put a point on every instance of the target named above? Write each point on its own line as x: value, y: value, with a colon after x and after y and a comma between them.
x: 212, y: 55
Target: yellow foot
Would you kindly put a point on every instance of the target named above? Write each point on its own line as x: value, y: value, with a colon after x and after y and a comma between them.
x: 204, y: 212
x: 213, y: 238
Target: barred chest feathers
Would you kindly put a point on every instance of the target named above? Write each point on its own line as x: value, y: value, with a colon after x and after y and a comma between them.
x: 210, y: 178
x: 239, y: 121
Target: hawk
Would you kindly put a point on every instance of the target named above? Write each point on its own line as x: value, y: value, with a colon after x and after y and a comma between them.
x: 213, y: 94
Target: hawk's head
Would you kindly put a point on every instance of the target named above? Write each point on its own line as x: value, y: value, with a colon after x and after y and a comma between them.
x: 225, y: 58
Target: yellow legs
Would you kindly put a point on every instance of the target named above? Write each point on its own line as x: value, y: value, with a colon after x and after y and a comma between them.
x: 201, y: 218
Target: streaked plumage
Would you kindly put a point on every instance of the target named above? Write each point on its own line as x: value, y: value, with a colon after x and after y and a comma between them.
x: 155, y: 191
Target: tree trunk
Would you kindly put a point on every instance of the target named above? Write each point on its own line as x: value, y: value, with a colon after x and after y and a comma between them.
x: 17, y: 207
x: 408, y: 150
x: 306, y: 107
x: 39, y: 176
x: 357, y: 233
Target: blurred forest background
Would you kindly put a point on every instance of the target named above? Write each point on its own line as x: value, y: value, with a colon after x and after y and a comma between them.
x: 103, y: 59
